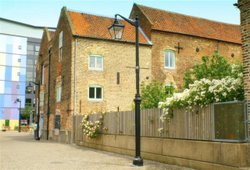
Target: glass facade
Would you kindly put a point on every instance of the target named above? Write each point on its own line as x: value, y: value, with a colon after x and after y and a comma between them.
x: 17, y: 67
x: 33, y: 47
x: 12, y: 75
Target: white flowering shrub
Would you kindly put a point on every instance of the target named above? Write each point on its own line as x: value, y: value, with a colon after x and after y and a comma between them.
x: 91, y: 129
x: 213, y: 67
x: 203, y: 92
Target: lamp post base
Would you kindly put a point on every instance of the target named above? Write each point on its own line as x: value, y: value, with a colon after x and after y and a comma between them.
x: 138, y: 161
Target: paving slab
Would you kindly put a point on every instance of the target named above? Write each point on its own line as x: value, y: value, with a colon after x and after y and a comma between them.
x: 19, y: 151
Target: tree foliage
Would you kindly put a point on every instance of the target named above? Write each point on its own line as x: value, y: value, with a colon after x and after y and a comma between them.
x: 211, y: 81
x: 153, y: 93
x: 26, y: 112
x: 215, y: 68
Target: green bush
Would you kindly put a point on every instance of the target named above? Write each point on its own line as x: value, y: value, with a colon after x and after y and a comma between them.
x: 216, y: 67
x: 23, y: 128
x: 211, y: 81
x: 153, y: 93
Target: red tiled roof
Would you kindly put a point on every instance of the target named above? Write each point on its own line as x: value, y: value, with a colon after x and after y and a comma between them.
x: 93, y: 26
x: 183, y: 24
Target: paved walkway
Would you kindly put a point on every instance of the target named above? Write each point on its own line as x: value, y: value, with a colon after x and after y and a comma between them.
x: 21, y: 152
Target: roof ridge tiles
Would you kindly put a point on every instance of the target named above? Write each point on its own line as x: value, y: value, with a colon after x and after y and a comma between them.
x: 195, y: 17
x: 96, y: 26
x: 93, y: 14
x: 163, y: 20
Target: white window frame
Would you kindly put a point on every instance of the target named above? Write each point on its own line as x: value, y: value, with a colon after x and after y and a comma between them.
x: 60, y: 45
x: 41, y: 99
x: 95, y: 68
x: 167, y: 54
x: 59, y: 92
x: 95, y: 87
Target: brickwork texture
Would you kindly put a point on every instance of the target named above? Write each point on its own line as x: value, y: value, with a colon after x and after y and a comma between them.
x: 73, y: 72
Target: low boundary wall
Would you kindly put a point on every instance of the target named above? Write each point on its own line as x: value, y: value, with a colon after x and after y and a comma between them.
x: 204, y: 155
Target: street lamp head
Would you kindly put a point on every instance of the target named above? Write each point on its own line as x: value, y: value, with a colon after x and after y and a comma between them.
x: 17, y: 100
x: 29, y: 88
x: 116, y: 30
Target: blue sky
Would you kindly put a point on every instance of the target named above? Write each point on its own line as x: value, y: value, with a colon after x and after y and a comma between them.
x: 46, y: 12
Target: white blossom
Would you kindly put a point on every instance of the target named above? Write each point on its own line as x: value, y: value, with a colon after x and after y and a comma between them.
x: 203, y: 92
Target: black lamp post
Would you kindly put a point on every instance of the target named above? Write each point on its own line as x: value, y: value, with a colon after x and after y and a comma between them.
x: 30, y: 89
x: 116, y: 31
x: 48, y: 99
x: 19, y: 121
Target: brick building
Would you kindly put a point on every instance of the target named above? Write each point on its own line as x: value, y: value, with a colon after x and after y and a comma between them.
x: 244, y: 6
x: 91, y: 72
x: 186, y: 39
x: 42, y: 78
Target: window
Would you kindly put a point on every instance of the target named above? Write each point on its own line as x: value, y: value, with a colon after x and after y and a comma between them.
x: 170, y: 59
x: 60, y: 45
x: 29, y: 61
x: 57, y: 121
x: 30, y: 47
x: 41, y: 98
x: 30, y: 52
x: 95, y: 63
x: 37, y: 48
x: 95, y: 93
x: 28, y: 102
x: 29, y: 76
x: 58, y: 92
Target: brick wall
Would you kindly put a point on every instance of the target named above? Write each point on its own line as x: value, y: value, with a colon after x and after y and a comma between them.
x: 61, y: 73
x: 144, y: 22
x: 244, y: 6
x: 188, y: 56
x: 44, y: 60
x: 117, y: 57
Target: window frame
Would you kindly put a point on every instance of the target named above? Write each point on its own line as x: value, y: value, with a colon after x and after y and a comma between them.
x: 59, y: 92
x: 96, y: 68
x: 41, y: 98
x: 169, y: 56
x: 95, y: 87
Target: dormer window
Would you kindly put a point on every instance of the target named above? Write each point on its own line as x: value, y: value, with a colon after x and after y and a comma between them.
x: 60, y: 45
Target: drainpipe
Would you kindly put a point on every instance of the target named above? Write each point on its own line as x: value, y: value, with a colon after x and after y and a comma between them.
x: 48, y: 103
x: 74, y: 109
